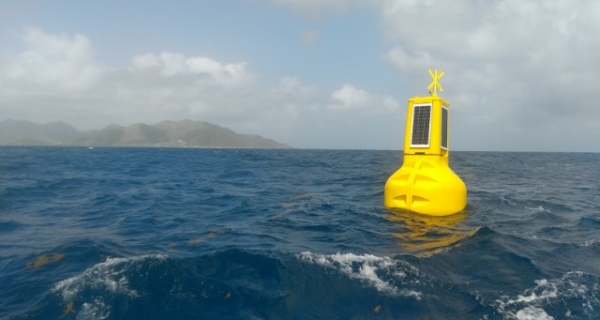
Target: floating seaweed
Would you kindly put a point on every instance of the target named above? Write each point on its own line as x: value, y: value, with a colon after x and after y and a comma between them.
x: 45, y: 259
x: 68, y: 309
x: 205, y: 237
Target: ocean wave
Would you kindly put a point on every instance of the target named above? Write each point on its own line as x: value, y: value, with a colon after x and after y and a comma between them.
x: 104, y: 280
x: 574, y: 295
x: 260, y: 284
x: 592, y: 223
x: 378, y: 272
x: 7, y: 226
x: 294, y: 234
x: 105, y: 276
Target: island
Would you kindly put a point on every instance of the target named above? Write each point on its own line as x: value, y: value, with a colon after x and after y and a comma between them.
x: 185, y: 133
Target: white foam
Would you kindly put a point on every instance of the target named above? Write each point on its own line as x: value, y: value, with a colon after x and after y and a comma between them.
x: 107, y: 276
x: 510, y: 202
x: 530, y: 304
x: 533, y: 313
x: 365, y: 268
x: 548, y: 291
x: 537, y: 209
x: 96, y: 310
x: 589, y: 243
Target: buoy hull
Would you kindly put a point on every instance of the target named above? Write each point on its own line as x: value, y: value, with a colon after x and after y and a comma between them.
x: 425, y: 184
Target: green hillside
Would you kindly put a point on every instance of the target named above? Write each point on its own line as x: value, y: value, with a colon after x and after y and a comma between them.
x: 186, y: 133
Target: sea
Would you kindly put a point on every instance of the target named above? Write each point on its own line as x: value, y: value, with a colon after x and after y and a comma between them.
x: 188, y: 233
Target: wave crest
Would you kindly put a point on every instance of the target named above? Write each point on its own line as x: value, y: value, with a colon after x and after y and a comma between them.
x: 379, y: 272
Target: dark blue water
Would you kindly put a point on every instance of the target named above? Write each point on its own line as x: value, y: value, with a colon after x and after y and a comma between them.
x: 126, y: 233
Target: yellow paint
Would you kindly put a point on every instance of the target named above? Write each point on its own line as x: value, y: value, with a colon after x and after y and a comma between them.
x: 435, y: 84
x: 425, y: 183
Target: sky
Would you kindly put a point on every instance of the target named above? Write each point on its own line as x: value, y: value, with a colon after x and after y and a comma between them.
x: 520, y: 75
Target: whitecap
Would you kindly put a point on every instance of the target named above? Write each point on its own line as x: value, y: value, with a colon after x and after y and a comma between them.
x: 369, y: 269
x: 538, y: 209
x: 96, y: 310
x: 105, y: 277
x: 533, y: 313
x: 546, y: 293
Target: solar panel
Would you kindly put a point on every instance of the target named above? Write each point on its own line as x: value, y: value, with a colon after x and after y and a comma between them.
x: 421, y: 125
x: 444, y: 127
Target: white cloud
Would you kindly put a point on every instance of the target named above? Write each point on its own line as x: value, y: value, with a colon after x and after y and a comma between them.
x: 228, y: 74
x: 170, y: 64
x: 358, y: 104
x: 145, y: 61
x: 349, y: 98
x: 59, y: 61
x: 291, y: 88
x: 391, y: 104
x: 415, y: 61
x: 57, y: 78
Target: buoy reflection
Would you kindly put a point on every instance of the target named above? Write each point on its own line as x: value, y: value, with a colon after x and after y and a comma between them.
x: 423, y: 235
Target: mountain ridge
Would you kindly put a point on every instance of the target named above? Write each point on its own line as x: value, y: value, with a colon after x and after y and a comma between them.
x: 168, y: 133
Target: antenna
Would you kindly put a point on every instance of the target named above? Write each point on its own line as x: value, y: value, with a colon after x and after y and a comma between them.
x: 435, y: 84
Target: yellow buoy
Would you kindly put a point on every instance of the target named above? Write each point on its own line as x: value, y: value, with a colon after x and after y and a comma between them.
x: 425, y: 183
